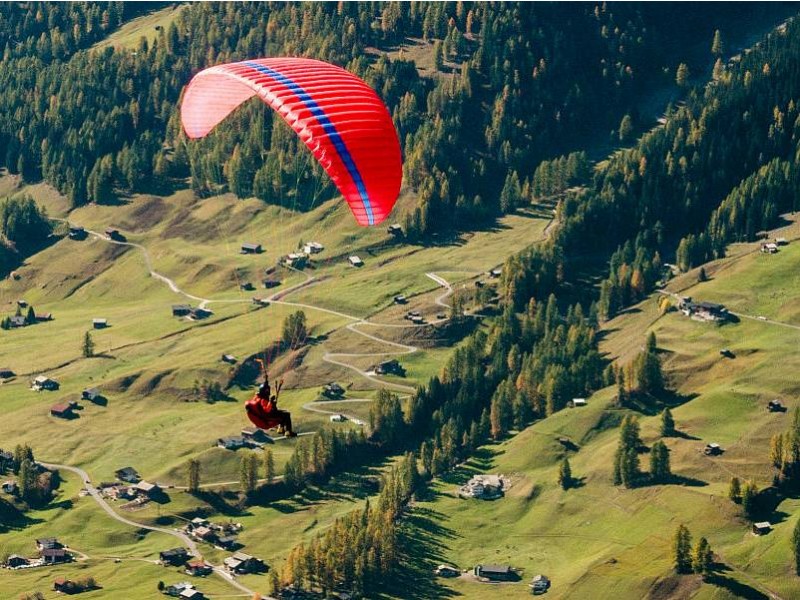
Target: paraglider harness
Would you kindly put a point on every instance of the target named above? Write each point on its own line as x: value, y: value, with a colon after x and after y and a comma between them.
x: 262, y: 408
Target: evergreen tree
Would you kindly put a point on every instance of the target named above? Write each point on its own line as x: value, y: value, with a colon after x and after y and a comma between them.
x: 659, y: 462
x: 735, y: 490
x: 87, y: 348
x: 702, y: 558
x: 248, y: 472
x: 717, y: 45
x: 667, y: 423
x: 796, y: 547
x: 701, y: 275
x: 30, y: 317
x: 269, y: 466
x: 750, y: 500
x: 565, y: 474
x: 682, y: 550
x: 682, y: 75
x: 193, y: 476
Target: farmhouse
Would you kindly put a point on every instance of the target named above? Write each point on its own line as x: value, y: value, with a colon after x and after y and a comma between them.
x: 333, y: 390
x: 44, y: 317
x: 227, y: 542
x: 62, y: 411
x: 174, y: 556
x: 204, y: 533
x: 390, y: 367
x: 99, y: 323
x: 181, y: 310
x: 176, y: 588
x: 762, y: 528
x: 484, y: 487
x: 495, y: 572
x: 769, y: 248
x: 242, y: 563
x: 5, y: 373
x: 52, y: 556
x: 250, y: 248
x: 355, y: 261
x: 150, y: 490
x: 229, y: 358
x: 704, y: 311
x: 313, y: 248
x: 198, y: 568
x: 446, y: 571
x: 42, y: 382
x: 15, y: 560
x: 48, y: 544
x: 128, y: 474
x: 77, y: 232
x: 296, y: 260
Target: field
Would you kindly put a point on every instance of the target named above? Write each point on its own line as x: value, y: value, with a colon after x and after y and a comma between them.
x: 147, y: 360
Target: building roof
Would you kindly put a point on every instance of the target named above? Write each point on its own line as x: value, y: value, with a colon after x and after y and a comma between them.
x: 500, y: 569
x: 243, y: 557
x: 53, y: 552
x: 763, y: 525
x: 60, y: 408
x: 144, y: 486
x: 180, y: 551
x: 181, y: 307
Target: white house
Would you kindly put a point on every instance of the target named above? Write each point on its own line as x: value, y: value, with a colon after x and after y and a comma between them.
x: 355, y: 261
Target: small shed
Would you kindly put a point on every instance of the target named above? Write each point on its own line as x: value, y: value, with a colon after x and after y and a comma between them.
x: 333, y: 390
x: 229, y: 358
x: 251, y: 248
x: 775, y: 406
x: 762, y: 528
x: 42, y: 382
x: 148, y: 489
x: 44, y: 316
x: 62, y: 411
x: 578, y: 402
x: 446, y: 571
x: 495, y: 572
x: 271, y: 283
x: 91, y: 394
x: 113, y: 234
x: 338, y: 418
x: 395, y: 229
x: 313, y: 248
x: 128, y: 474
x: 15, y: 560
x: 99, y: 323
x: 5, y: 373
x: 712, y: 449
x: 400, y: 299
x: 355, y: 261
x: 174, y: 556
x: 181, y: 310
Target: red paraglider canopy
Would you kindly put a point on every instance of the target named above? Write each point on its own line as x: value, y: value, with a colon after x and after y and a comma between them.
x: 338, y: 117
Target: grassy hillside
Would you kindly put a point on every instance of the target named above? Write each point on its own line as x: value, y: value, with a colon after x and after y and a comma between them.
x: 148, y: 360
x: 600, y: 541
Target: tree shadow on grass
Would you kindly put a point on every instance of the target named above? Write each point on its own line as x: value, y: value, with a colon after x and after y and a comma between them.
x: 736, y: 588
x: 421, y: 549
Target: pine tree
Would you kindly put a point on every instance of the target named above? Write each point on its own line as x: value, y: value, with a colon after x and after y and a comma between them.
x: 682, y: 550
x: 248, y: 472
x: 682, y: 75
x: 269, y: 466
x: 750, y: 500
x: 667, y: 423
x: 565, y: 474
x: 796, y: 547
x: 193, y: 476
x: 30, y: 317
x: 659, y: 462
x: 702, y: 558
x: 87, y: 348
x: 735, y: 490
x: 701, y: 275
x: 717, y: 45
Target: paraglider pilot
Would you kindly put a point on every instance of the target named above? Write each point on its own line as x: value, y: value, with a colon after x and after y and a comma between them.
x: 262, y: 408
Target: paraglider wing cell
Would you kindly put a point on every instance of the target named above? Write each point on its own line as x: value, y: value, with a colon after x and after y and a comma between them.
x: 336, y: 115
